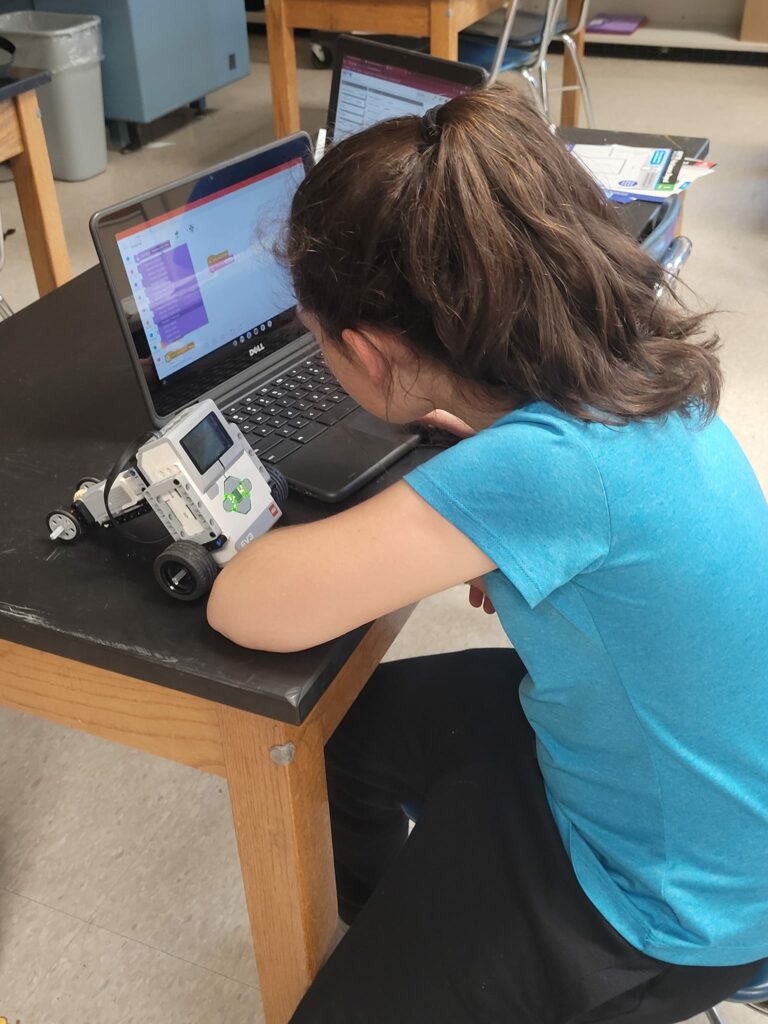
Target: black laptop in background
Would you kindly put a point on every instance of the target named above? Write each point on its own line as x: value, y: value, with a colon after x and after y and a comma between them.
x: 208, y: 311
x: 374, y: 81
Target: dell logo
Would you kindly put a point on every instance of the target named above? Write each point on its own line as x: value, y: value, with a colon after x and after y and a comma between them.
x: 256, y: 349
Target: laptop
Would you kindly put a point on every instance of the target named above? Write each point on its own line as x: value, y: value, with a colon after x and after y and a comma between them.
x: 374, y: 81
x: 208, y: 311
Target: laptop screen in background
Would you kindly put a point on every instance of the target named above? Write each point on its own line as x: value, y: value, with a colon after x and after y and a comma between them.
x: 370, y: 92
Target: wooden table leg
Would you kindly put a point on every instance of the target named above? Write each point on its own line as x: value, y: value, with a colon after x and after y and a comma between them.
x: 443, y: 32
x: 276, y: 777
x: 37, y: 198
x: 282, y: 70
x: 569, y: 104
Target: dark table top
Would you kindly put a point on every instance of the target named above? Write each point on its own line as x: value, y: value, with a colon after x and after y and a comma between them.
x: 638, y: 218
x: 15, y: 81
x: 68, y: 405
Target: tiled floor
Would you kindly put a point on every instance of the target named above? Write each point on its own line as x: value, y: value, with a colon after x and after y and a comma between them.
x: 120, y: 895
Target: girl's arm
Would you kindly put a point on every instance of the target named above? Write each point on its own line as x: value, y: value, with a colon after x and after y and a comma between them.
x: 301, y: 585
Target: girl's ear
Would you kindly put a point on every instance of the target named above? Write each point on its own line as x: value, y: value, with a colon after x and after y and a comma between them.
x: 362, y: 349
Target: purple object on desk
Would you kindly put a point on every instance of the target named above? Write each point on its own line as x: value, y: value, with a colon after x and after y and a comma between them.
x: 615, y: 24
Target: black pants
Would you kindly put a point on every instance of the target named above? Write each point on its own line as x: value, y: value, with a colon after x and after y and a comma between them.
x: 478, y: 916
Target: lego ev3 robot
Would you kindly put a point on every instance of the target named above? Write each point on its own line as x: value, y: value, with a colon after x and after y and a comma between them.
x: 200, y: 477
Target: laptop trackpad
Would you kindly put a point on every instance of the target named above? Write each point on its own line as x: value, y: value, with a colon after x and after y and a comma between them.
x: 372, y: 425
x: 347, y: 455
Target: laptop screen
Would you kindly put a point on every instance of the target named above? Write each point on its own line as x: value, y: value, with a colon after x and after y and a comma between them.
x: 193, y: 272
x: 373, y: 81
x: 371, y: 91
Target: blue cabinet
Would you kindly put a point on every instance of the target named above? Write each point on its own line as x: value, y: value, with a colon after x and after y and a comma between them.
x: 163, y: 54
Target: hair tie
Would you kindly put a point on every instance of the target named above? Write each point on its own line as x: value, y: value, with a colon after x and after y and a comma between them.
x: 431, y: 131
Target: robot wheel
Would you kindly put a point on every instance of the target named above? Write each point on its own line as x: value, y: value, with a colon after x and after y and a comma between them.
x: 64, y: 526
x: 279, y: 486
x: 185, y: 570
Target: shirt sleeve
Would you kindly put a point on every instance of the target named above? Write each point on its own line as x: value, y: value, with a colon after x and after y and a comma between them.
x: 527, y: 493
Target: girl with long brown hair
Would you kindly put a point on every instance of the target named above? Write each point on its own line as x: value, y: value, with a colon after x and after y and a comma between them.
x: 591, y: 806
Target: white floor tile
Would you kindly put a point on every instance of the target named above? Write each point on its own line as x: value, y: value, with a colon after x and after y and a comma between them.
x: 32, y: 939
x: 102, y: 978
x: 77, y: 811
x: 185, y: 894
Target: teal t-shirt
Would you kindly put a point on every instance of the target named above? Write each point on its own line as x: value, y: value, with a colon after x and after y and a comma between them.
x: 633, y: 580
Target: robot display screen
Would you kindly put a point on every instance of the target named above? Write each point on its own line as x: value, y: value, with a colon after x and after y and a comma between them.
x: 206, y: 442
x: 203, y: 275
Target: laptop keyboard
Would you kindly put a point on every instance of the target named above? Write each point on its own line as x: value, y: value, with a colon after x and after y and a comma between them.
x: 292, y: 410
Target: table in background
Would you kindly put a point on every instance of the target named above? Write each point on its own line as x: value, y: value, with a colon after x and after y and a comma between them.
x: 571, y: 101
x: 640, y: 217
x: 440, y: 20
x: 22, y: 144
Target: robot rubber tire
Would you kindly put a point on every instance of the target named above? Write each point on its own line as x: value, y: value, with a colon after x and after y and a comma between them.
x: 185, y: 570
x: 279, y: 487
x: 87, y: 481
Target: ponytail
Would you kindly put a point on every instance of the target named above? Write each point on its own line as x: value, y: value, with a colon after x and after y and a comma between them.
x: 478, y: 239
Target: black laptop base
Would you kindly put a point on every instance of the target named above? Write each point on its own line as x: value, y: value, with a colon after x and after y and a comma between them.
x: 303, y: 421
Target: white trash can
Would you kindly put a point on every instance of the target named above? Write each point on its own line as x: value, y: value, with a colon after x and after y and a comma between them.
x: 71, y: 104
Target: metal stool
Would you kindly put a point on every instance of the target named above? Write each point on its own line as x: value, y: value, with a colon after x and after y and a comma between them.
x: 755, y: 992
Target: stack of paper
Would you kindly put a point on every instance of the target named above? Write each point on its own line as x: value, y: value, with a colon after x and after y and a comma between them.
x: 639, y: 173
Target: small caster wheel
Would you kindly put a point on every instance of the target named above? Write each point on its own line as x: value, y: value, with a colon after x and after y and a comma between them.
x: 279, y: 486
x: 87, y: 481
x: 320, y: 56
x: 185, y: 570
x: 64, y: 526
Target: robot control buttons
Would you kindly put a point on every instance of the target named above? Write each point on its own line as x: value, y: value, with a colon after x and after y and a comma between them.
x: 237, y: 495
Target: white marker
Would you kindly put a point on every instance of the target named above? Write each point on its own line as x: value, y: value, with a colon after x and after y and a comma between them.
x: 320, y: 144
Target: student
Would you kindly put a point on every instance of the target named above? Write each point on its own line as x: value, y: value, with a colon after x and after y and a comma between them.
x: 592, y: 806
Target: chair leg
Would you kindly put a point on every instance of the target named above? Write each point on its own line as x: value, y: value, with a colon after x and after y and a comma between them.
x: 714, y: 1017
x: 501, y: 47
x: 544, y: 88
x: 570, y: 43
x: 531, y: 80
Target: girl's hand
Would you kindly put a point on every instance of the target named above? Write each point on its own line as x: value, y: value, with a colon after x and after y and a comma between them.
x: 478, y: 596
x: 442, y: 420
